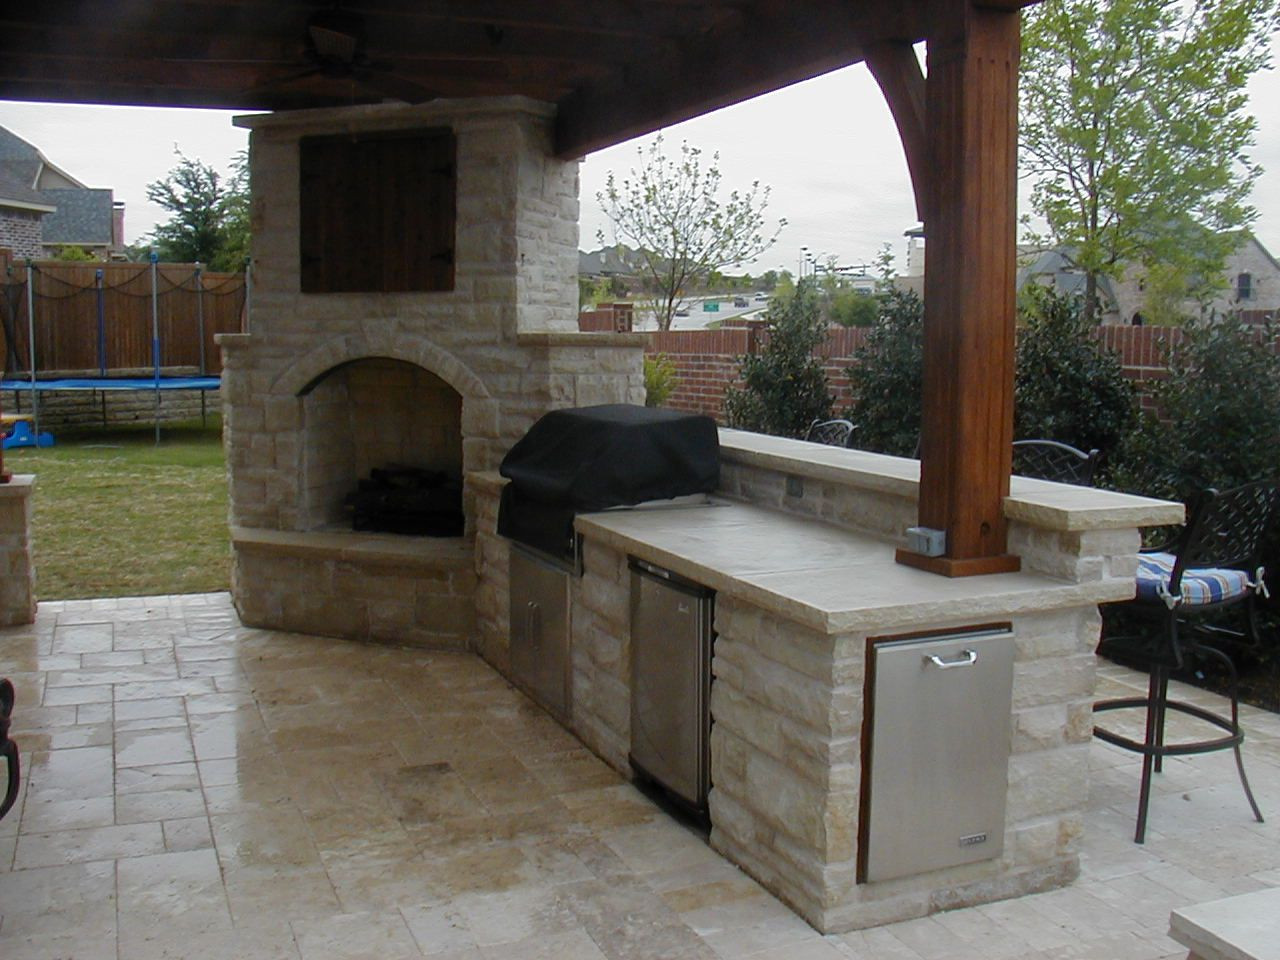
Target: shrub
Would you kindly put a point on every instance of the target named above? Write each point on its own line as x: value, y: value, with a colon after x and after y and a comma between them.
x: 1217, y: 415
x: 660, y: 379
x: 1066, y: 387
x: 784, y: 385
x: 886, y: 377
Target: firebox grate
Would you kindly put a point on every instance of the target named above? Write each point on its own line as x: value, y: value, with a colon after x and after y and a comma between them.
x: 408, y: 500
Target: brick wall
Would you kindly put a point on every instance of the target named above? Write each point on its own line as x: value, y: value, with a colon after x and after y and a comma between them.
x: 707, y: 361
x: 21, y: 232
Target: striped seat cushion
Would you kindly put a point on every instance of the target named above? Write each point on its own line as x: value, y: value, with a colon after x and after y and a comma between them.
x: 1206, y: 585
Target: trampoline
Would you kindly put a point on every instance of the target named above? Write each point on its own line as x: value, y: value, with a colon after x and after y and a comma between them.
x: 114, y: 383
x: 122, y: 301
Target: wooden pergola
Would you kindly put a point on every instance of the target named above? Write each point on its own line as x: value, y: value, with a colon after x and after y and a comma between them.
x: 617, y: 69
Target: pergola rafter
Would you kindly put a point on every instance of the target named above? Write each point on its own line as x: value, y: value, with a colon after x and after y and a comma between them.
x: 620, y: 69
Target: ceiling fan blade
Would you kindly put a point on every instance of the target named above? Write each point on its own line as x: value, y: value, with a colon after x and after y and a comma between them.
x: 232, y: 61
x: 275, y: 85
x: 397, y: 88
x: 291, y: 77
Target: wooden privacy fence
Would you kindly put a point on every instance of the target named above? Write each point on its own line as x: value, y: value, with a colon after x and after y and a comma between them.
x: 97, y: 318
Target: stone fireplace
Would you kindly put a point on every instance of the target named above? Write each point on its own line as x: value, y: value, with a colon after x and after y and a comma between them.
x: 326, y: 386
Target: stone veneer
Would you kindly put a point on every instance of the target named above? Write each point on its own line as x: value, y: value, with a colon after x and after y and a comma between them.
x: 787, y: 698
x: 17, y: 566
x: 504, y: 339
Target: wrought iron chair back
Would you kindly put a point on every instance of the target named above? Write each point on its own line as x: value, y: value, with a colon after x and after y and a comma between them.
x: 8, y: 749
x: 834, y: 433
x: 1216, y: 564
x: 1227, y: 529
x: 1051, y: 460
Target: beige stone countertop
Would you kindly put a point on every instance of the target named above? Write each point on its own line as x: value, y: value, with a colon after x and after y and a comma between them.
x: 826, y: 578
x: 1052, y: 506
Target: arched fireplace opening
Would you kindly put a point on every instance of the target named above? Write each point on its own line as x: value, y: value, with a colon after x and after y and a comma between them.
x: 381, y: 450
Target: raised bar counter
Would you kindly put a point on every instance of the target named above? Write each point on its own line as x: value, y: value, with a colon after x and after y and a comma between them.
x: 798, y: 544
x: 821, y: 576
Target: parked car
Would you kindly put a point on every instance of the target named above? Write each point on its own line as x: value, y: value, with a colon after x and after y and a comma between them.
x: 761, y: 297
x: 682, y: 312
x: 740, y: 301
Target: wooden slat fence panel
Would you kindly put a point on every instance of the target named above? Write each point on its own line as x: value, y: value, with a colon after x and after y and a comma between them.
x: 67, y: 302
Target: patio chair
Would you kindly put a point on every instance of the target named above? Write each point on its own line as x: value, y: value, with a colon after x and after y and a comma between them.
x: 834, y: 433
x: 1051, y: 460
x: 8, y: 749
x: 1215, y: 565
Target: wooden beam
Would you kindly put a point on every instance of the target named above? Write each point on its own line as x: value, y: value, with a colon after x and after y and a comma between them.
x: 897, y: 71
x: 967, y: 410
x: 779, y: 44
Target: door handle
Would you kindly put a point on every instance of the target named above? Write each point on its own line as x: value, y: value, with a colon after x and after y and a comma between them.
x: 532, y: 616
x: 967, y: 658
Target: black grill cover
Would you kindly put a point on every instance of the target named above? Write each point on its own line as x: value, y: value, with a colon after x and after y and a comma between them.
x: 592, y: 458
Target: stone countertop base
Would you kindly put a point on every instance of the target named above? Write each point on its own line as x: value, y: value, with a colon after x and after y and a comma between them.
x: 17, y: 564
x: 1246, y: 927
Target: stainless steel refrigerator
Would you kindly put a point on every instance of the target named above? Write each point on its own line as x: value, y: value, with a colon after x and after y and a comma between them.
x: 671, y: 639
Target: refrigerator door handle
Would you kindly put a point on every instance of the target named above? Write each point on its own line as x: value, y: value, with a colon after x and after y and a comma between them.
x: 967, y: 658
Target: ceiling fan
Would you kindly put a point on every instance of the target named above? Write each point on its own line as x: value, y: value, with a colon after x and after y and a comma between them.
x: 334, y: 49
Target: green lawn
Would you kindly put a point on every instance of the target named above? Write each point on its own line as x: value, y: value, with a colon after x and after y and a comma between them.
x: 116, y: 515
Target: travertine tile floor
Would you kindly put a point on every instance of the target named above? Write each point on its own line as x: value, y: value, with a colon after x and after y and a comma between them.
x: 198, y: 789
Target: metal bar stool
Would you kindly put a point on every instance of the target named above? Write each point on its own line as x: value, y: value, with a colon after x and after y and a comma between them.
x: 8, y: 749
x: 834, y: 433
x: 1051, y: 460
x: 1216, y: 564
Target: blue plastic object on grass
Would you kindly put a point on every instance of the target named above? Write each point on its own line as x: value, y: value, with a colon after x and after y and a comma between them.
x: 24, y: 436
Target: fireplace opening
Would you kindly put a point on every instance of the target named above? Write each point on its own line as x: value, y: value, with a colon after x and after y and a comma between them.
x: 408, y: 500
x: 382, y: 437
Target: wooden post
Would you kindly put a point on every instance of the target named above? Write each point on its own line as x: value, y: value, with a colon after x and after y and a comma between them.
x: 970, y: 226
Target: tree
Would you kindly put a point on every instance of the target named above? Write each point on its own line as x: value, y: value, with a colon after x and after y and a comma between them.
x: 671, y: 211
x: 1133, y: 124
x: 1066, y: 387
x: 210, y: 216
x: 853, y: 308
x: 784, y: 385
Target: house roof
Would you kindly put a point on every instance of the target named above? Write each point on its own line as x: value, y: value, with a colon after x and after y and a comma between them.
x: 15, y: 194
x: 615, y: 68
x: 610, y: 261
x: 25, y: 161
x: 1059, y: 264
x: 81, y: 217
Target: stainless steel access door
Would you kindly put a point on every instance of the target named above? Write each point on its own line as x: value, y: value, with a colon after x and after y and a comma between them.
x: 671, y: 681
x: 539, y: 609
x: 939, y: 752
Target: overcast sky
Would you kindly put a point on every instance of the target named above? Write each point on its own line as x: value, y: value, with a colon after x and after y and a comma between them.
x: 827, y: 147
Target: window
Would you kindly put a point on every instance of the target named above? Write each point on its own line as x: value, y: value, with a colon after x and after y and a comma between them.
x: 377, y: 212
x: 1244, y: 286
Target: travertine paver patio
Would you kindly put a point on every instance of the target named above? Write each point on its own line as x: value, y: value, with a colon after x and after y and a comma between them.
x: 199, y: 789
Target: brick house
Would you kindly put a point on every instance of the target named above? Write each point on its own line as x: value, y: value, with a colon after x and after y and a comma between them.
x: 1250, y: 284
x: 44, y: 209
